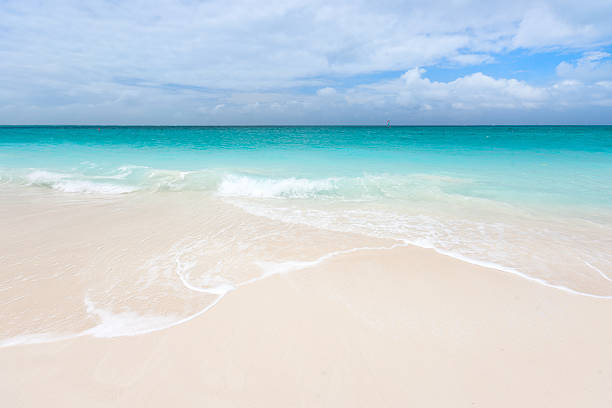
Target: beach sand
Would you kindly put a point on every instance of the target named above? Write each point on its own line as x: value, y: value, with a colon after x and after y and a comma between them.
x: 400, y: 327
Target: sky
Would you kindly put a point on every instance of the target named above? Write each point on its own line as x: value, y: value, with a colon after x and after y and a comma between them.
x: 190, y: 62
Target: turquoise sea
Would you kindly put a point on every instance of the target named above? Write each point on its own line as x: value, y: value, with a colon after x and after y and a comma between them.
x: 530, y: 200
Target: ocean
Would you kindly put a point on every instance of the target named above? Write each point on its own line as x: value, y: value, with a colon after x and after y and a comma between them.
x: 535, y: 201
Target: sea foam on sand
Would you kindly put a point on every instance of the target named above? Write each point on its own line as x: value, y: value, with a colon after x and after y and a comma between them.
x: 394, y: 327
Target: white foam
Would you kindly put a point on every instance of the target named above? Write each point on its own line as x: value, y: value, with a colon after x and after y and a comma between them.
x: 183, y: 267
x: 76, y: 186
x: 37, y: 338
x: 492, y: 265
x: 122, y: 172
x: 277, y: 268
x: 66, y: 183
x: 603, y: 275
x: 433, y: 234
x: 45, y: 177
x: 244, y: 186
x: 124, y: 323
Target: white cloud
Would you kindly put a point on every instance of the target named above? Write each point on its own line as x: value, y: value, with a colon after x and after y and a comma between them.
x: 543, y: 27
x: 472, y: 59
x: 327, y: 91
x: 592, y: 67
x: 475, y: 91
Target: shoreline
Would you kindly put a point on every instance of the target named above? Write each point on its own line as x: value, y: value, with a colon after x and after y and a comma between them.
x: 408, y: 314
x: 292, y: 268
x: 128, y: 230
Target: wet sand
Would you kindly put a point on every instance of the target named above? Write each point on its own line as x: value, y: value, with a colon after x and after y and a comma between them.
x: 400, y: 327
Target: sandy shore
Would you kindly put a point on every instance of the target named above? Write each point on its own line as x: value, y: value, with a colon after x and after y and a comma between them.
x: 402, y: 327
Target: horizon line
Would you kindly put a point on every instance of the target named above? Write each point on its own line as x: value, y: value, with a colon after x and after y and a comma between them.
x: 301, y: 125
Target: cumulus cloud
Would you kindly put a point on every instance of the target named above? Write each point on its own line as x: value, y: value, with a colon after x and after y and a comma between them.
x: 415, y: 94
x: 475, y: 91
x: 176, y: 61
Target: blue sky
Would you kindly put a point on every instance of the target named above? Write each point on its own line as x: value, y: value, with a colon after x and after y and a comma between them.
x: 305, y: 62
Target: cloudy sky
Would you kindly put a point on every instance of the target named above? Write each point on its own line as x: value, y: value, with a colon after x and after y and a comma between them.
x: 305, y: 62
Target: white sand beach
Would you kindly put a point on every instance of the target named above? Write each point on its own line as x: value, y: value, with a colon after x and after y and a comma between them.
x: 399, y: 327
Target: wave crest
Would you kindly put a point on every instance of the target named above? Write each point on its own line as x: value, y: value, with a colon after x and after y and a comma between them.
x: 228, y: 183
x: 244, y: 186
x: 68, y: 184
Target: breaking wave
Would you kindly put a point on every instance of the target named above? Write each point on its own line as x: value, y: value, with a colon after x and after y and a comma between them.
x: 228, y: 183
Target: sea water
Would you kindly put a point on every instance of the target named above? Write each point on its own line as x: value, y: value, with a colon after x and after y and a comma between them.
x: 531, y: 200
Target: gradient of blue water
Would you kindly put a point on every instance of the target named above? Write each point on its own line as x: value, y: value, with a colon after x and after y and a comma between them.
x: 536, y: 200
x: 547, y: 165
